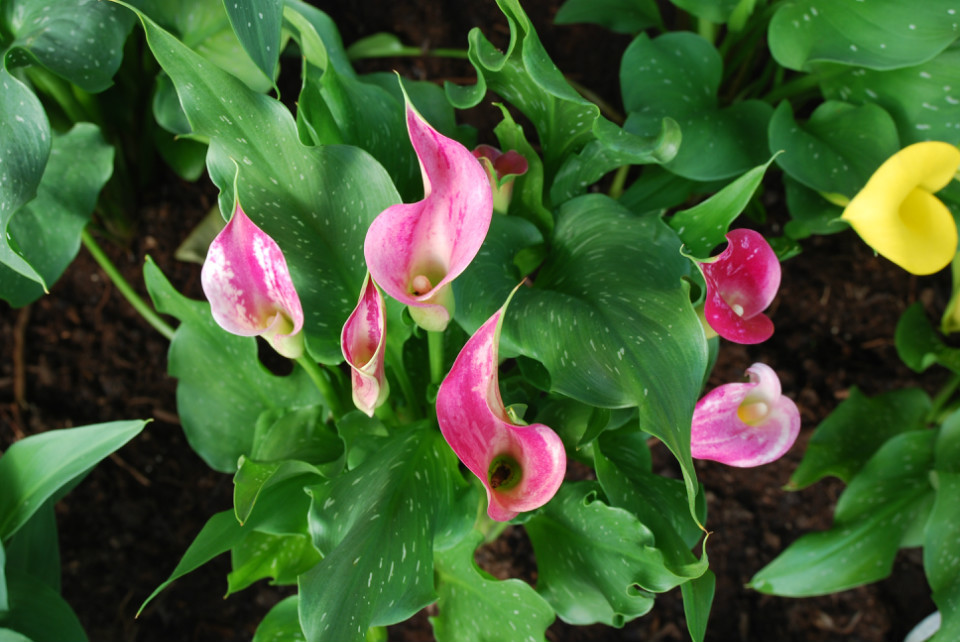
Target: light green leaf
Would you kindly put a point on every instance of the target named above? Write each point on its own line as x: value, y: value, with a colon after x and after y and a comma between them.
x: 281, y: 623
x: 219, y: 420
x: 527, y: 189
x: 39, y: 613
x: 697, y: 600
x: 578, y: 144
x: 378, y: 526
x: 704, y: 226
x: 257, y: 25
x: 473, y: 600
x: 874, y: 514
x: 837, y: 149
x: 841, y: 446
x: 315, y: 202
x: 47, y: 229
x: 677, y: 76
x: 595, y: 563
x: 36, y: 468
x: 35, y: 548
x: 608, y: 314
x: 7, y: 635
x: 253, y: 477
x: 922, y: 100
x: 24, y: 149
x: 880, y: 34
x: 919, y: 345
x: 622, y: 16
x: 261, y: 555
x: 79, y: 40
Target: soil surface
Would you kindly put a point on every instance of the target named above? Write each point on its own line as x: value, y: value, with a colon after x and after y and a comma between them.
x: 82, y: 355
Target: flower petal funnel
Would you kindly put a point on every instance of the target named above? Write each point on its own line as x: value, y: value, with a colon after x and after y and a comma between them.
x: 246, y: 279
x: 363, y: 342
x: 521, y: 467
x: 741, y: 283
x: 745, y: 424
x: 897, y: 214
x: 414, y: 250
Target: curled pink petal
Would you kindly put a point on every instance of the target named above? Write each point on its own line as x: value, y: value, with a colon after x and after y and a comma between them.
x: 521, y: 467
x: 247, y: 282
x: 363, y: 341
x: 745, y: 424
x: 741, y: 283
x: 414, y: 250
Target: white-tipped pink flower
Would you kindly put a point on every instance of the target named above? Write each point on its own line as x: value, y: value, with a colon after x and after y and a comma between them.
x: 521, y: 467
x: 502, y: 168
x: 363, y: 342
x: 247, y: 282
x: 415, y: 250
x: 745, y: 424
x: 741, y: 283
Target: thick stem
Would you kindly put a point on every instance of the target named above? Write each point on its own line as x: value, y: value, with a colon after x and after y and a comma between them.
x: 323, y: 384
x: 125, y: 288
x: 435, y: 345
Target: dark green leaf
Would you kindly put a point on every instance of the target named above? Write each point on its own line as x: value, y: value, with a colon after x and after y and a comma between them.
x: 697, y: 600
x: 257, y: 25
x: 622, y: 16
x: 35, y: 550
x: 810, y: 213
x: 919, y: 345
x: 711, y: 10
x: 943, y: 531
x: 39, y: 613
x: 282, y: 623
x: 841, y: 445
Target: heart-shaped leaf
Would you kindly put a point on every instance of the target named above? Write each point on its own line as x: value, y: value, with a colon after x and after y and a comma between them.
x: 315, y: 202
x: 880, y: 34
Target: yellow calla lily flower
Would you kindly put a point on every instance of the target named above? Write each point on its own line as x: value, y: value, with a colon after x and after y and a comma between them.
x: 897, y: 214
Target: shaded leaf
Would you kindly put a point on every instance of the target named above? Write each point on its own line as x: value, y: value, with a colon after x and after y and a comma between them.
x: 39, y: 613
x: 919, y: 345
x: 622, y: 16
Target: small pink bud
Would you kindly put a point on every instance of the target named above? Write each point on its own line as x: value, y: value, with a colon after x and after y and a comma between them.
x: 745, y: 424
x: 502, y: 168
x: 521, y: 467
x: 363, y: 342
x: 741, y: 283
x: 246, y: 280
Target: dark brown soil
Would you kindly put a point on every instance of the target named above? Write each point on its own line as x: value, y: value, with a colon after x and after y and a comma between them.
x: 82, y: 355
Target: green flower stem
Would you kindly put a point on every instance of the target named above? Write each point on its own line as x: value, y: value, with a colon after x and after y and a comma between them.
x: 323, y: 384
x: 942, y: 398
x: 125, y: 288
x: 619, y: 180
x: 411, y: 52
x: 435, y: 345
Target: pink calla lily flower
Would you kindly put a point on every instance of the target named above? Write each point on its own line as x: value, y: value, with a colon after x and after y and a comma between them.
x: 521, y: 467
x: 745, y: 424
x: 741, y: 283
x: 414, y: 250
x: 502, y: 168
x: 363, y: 342
x: 247, y: 282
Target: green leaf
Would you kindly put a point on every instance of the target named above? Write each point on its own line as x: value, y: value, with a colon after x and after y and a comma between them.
x: 810, y: 213
x: 697, y: 600
x: 4, y: 599
x: 47, y: 229
x: 281, y: 623
x: 711, y: 10
x: 261, y: 555
x: 39, y: 613
x: 874, y: 514
x: 922, y: 99
x: 677, y: 76
x: 37, y: 467
x: 919, y: 345
x: 579, y: 146
x: 657, y: 190
x: 315, y: 202
x: 378, y: 526
x: 79, y: 40
x: 257, y: 25
x: 297, y: 433
x: 253, y: 477
x: 704, y: 226
x: 608, y: 315
x: 880, y: 34
x: 622, y: 16
x: 219, y: 421
x: 35, y: 549
x: 6, y: 635
x: 527, y: 189
x: 942, y: 532
x: 24, y: 149
x: 595, y: 563
x: 837, y: 150
x: 840, y: 446
x: 491, y: 610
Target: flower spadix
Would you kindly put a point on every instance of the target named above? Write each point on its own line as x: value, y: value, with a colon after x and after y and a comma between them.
x: 363, y: 340
x: 414, y: 250
x: 745, y: 424
x: 897, y: 214
x: 741, y: 283
x: 521, y: 467
x: 502, y: 168
x: 246, y: 279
